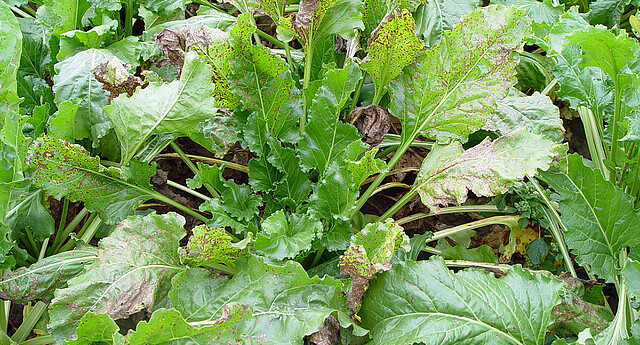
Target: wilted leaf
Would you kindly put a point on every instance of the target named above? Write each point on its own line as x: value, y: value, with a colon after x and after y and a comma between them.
x: 449, y: 172
x: 40, y: 280
x: 115, y: 78
x: 370, y: 252
x: 212, y: 245
x: 426, y: 302
x: 132, y: 272
x: 67, y: 170
x: 600, y: 218
x: 372, y: 121
x: 536, y: 113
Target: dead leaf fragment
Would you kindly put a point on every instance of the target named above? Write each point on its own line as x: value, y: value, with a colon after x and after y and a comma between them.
x: 176, y: 42
x: 327, y: 335
x: 115, y: 78
x: 372, y: 121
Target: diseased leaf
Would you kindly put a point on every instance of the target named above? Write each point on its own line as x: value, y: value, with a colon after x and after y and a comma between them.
x: 132, y: 272
x: 212, y: 245
x: 168, y: 326
x: 437, y: 16
x: 370, y: 252
x: 326, y: 137
x: 536, y: 112
x: 97, y: 329
x: 286, y: 235
x: 426, y: 302
x: 175, y: 107
x: 67, y: 170
x: 366, y: 166
x: 285, y: 303
x: 115, y: 78
x: 449, y: 172
x: 600, y: 218
x: 392, y: 46
x: 40, y: 280
x: 317, y: 19
x: 544, y: 14
x: 450, y: 92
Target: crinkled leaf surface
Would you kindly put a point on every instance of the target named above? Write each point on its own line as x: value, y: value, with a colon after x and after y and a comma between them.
x: 600, y: 217
x: 436, y: 16
x: 426, y: 302
x: 451, y: 91
x: 212, y: 245
x: 536, y: 113
x: 168, y: 326
x: 392, y: 46
x: 74, y: 80
x: 327, y: 137
x: 370, y: 252
x: 449, y: 172
x: 97, y: 329
x: 366, y: 166
x: 40, y: 280
x: 607, y: 12
x: 133, y: 272
x: 67, y: 170
x: 295, y: 186
x: 285, y: 235
x: 175, y: 107
x: 286, y: 304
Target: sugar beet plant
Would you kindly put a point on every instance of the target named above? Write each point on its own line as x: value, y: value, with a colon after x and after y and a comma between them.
x: 93, y: 93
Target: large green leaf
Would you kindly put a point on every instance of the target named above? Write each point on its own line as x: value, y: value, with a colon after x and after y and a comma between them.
x: 607, y: 12
x: 449, y: 172
x: 392, y: 46
x: 35, y: 49
x: 327, y: 137
x: 285, y: 303
x: 132, y: 272
x: 40, y: 280
x: 62, y: 15
x: 285, y: 235
x: 74, y: 81
x: 599, y: 217
x: 426, y: 302
x: 175, y: 107
x: 451, y: 91
x: 536, y: 113
x: 67, y: 170
x: 437, y: 16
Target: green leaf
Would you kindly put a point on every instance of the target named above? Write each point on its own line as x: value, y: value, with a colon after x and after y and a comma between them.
x: 264, y: 84
x: 484, y: 253
x: 97, y: 329
x: 67, y: 170
x: 607, y: 12
x: 426, y: 302
x: 370, y: 252
x: 214, y: 19
x: 366, y: 166
x: 600, y: 217
x: 327, y: 137
x: 35, y: 92
x: 220, y: 218
x: 285, y: 303
x: 537, y: 113
x: 11, y: 49
x: 449, y: 172
x: 74, y: 81
x: 35, y: 49
x: 185, y: 103
x: 40, y: 280
x: 72, y: 42
x: 132, y: 272
x: 61, y: 124
x: 437, y: 16
x: 164, y: 7
x: 62, y: 15
x: 239, y: 202
x: 317, y: 19
x: 168, y: 326
x: 544, y: 14
x: 28, y: 214
x: 212, y: 245
x: 293, y: 190
x: 452, y: 89
x: 285, y: 235
x: 392, y: 46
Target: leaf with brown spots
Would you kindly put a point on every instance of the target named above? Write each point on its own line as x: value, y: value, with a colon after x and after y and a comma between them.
x: 132, y: 272
x: 213, y: 245
x: 392, y: 46
x: 449, y: 172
